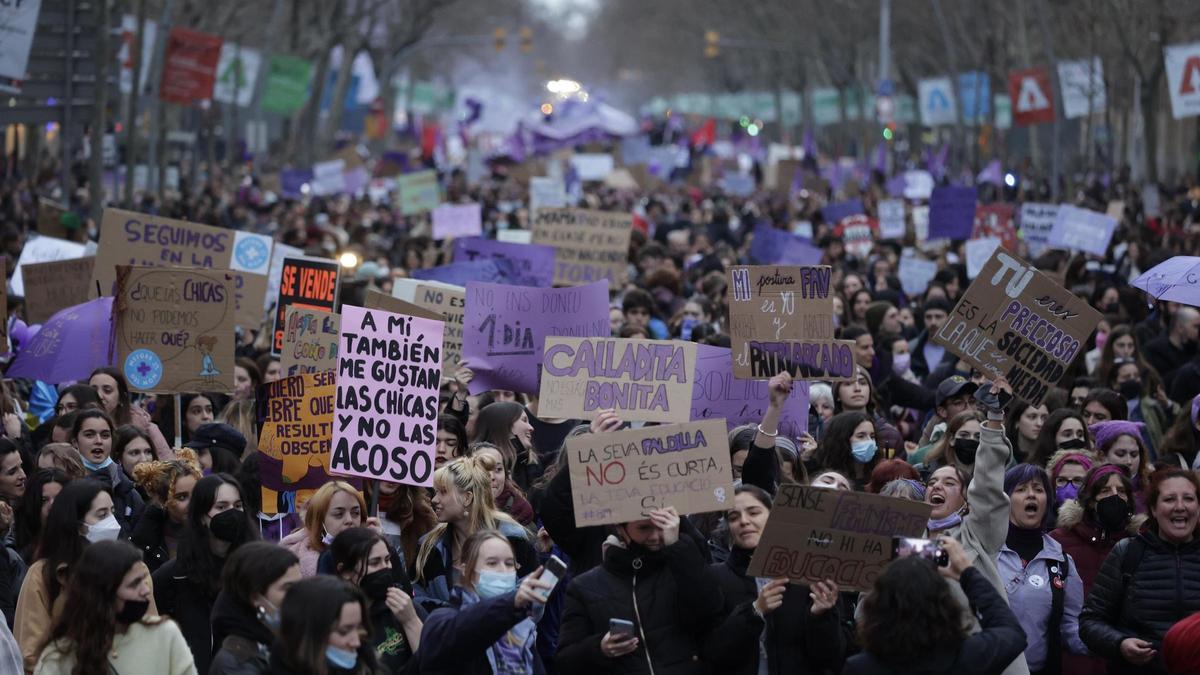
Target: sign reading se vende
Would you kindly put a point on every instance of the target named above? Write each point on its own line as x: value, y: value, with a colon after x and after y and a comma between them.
x: 307, y: 283
x: 624, y: 475
x: 644, y: 380
x: 1014, y: 321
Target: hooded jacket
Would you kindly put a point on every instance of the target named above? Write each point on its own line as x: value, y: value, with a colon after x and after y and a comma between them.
x: 796, y: 641
x: 1162, y: 589
x: 1085, y: 542
x: 243, y: 643
x: 127, y: 501
x: 458, y: 638
x: 671, y: 596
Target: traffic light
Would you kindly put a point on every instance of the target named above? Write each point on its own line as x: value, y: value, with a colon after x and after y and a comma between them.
x: 501, y: 34
x: 526, y: 39
x: 711, y: 44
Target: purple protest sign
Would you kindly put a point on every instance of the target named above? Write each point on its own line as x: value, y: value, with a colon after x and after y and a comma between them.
x: 716, y: 394
x: 533, y: 264
x: 834, y: 213
x: 385, y: 414
x: 457, y: 220
x: 772, y: 246
x: 292, y: 181
x: 462, y: 273
x: 951, y: 212
x: 505, y: 329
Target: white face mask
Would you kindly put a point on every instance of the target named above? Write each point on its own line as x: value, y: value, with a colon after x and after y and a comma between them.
x: 105, y: 530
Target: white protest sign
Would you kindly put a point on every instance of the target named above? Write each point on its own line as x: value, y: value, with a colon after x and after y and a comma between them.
x: 1151, y: 201
x: 515, y: 236
x: 1081, y: 229
x: 457, y: 220
x: 1037, y: 220
x: 978, y: 253
x: 592, y: 166
x: 44, y: 249
x: 891, y: 219
x: 915, y: 274
x: 803, y: 228
x: 329, y: 178
x: 937, y: 101
x: 237, y: 73
x: 278, y: 253
x: 546, y: 193
x: 1183, y: 78
x: 918, y: 184
x: 1082, y: 87
x: 18, y: 23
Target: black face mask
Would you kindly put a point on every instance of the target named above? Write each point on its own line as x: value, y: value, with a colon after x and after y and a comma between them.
x: 1073, y: 444
x: 1113, y: 513
x: 229, y: 526
x: 1112, y: 308
x: 965, y: 449
x: 133, y: 611
x: 1131, y: 389
x: 376, y: 584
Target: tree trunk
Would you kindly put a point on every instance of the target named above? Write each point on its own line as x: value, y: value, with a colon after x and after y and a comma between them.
x: 99, y: 114
x: 1150, y: 128
x: 337, y: 103
x: 135, y: 94
x: 302, y: 132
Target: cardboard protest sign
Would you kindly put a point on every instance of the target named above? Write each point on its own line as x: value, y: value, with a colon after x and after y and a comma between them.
x: 385, y: 416
x: 448, y: 305
x: 49, y: 219
x: 1016, y: 322
x: 996, y: 220
x: 915, y: 274
x: 784, y: 311
x: 56, y: 285
x: 377, y: 300
x: 306, y: 283
x: 457, y: 220
x: 295, y: 416
x: 891, y: 219
x: 44, y: 249
x: 532, y: 265
x: 816, y: 534
x: 310, y: 338
x: 951, y: 212
x: 174, y: 329
x: 1036, y: 222
x: 1115, y: 210
x: 589, y: 245
x: 418, y: 192
x: 717, y: 395
x: 644, y: 380
x: 505, y: 329
x: 129, y: 238
x: 1081, y: 229
x: 624, y: 475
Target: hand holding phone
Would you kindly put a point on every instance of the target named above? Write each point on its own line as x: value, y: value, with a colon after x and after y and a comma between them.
x: 552, y: 572
x: 619, y: 640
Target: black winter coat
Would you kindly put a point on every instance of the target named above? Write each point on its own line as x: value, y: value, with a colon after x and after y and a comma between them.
x: 986, y: 652
x: 455, y: 639
x: 127, y: 501
x: 671, y: 596
x: 242, y: 642
x: 190, y: 606
x: 150, y: 536
x: 1163, y: 588
x: 796, y: 641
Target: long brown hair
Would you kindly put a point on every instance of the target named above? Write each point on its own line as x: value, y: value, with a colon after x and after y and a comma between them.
x: 910, y: 613
x: 409, y: 508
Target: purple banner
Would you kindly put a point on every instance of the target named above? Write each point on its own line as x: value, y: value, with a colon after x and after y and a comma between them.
x: 772, y: 246
x: 292, y: 180
x: 505, y: 329
x: 951, y: 212
x: 716, y: 394
x: 532, y: 264
x: 463, y: 273
x: 835, y: 212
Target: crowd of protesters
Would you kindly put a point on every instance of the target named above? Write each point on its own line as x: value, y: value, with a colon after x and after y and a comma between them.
x: 1068, y: 526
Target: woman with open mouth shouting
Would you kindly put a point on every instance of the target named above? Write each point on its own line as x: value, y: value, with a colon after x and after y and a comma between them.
x: 1043, y: 583
x: 974, y: 509
x: 1148, y: 582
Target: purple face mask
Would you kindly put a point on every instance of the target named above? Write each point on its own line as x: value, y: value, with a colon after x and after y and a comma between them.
x: 1068, y: 491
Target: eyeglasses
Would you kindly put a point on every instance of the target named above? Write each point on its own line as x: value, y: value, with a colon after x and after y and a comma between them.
x: 1063, y: 481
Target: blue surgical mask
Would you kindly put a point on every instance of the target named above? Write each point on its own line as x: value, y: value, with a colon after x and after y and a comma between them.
x: 342, y: 658
x: 492, y: 584
x: 952, y: 520
x: 863, y: 451
x: 95, y: 467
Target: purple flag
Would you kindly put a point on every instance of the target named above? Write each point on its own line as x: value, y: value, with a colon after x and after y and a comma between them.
x: 71, y: 344
x: 835, y: 212
x: 951, y: 212
x: 462, y: 273
x: 505, y: 329
x: 881, y: 157
x: 896, y: 185
x: 716, y: 394
x: 810, y: 143
x: 772, y: 246
x: 532, y: 264
x: 937, y: 166
x: 291, y: 182
x: 992, y: 173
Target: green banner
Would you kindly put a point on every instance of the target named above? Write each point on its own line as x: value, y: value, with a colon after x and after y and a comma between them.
x: 286, y: 88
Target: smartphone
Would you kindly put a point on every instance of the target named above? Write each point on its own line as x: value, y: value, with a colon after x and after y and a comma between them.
x: 903, y: 547
x: 620, y: 627
x: 553, y: 571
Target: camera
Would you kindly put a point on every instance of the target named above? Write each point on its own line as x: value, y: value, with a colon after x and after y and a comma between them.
x: 928, y: 549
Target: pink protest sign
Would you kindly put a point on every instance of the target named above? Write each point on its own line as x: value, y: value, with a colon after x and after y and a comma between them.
x: 385, y: 416
x: 457, y: 220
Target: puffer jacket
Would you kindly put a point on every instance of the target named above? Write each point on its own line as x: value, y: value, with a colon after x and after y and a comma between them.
x: 1085, y: 542
x: 671, y: 597
x: 985, y: 527
x: 1163, y: 588
x: 796, y: 641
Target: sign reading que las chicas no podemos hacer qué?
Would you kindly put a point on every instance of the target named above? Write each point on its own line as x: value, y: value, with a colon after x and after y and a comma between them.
x: 624, y: 475
x: 1016, y: 322
x: 644, y: 380
x: 781, y: 318
x: 388, y: 377
x: 174, y: 329
x: 816, y: 534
